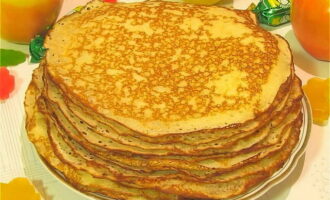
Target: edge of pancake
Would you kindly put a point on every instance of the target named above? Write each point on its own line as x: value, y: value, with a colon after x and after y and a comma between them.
x: 77, y: 178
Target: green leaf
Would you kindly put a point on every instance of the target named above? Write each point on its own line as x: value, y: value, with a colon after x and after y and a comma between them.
x: 11, y: 57
x: 37, y: 50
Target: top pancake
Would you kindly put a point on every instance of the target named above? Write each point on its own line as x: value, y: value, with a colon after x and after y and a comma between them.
x: 163, y: 67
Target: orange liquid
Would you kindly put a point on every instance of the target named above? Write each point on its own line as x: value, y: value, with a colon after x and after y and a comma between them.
x: 21, y: 23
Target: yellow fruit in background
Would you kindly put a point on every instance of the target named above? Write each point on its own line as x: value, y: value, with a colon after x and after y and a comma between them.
x: 317, y: 90
x: 202, y: 2
x: 21, y: 20
x: 18, y: 189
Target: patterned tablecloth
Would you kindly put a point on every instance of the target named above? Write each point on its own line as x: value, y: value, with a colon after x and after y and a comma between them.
x: 309, y: 181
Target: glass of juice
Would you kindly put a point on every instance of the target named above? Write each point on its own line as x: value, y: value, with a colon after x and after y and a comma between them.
x: 21, y: 20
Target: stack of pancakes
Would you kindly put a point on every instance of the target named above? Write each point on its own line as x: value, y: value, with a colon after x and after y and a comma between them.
x: 163, y: 100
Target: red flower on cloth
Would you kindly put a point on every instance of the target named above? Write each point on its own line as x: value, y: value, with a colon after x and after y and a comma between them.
x: 7, y: 83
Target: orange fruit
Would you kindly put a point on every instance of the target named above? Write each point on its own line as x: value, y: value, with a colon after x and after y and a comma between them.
x: 22, y: 20
x: 310, y: 23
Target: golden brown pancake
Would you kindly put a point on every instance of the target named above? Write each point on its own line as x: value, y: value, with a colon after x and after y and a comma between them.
x: 177, y: 68
x: 163, y: 100
x: 36, y: 127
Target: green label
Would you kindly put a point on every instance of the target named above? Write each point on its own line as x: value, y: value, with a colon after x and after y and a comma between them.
x: 37, y: 50
x: 273, y: 12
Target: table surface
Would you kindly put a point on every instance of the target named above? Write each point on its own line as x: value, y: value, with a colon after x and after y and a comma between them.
x: 309, y: 181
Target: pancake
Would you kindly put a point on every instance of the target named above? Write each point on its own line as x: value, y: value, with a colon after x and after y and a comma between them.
x: 79, y: 124
x: 167, y: 162
x: 271, y: 135
x: 292, y: 95
x: 129, y: 141
x: 149, y: 149
x: 105, y: 141
x: 99, y: 168
x: 128, y: 138
x: 212, y: 165
x: 162, y: 102
x: 37, y: 132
